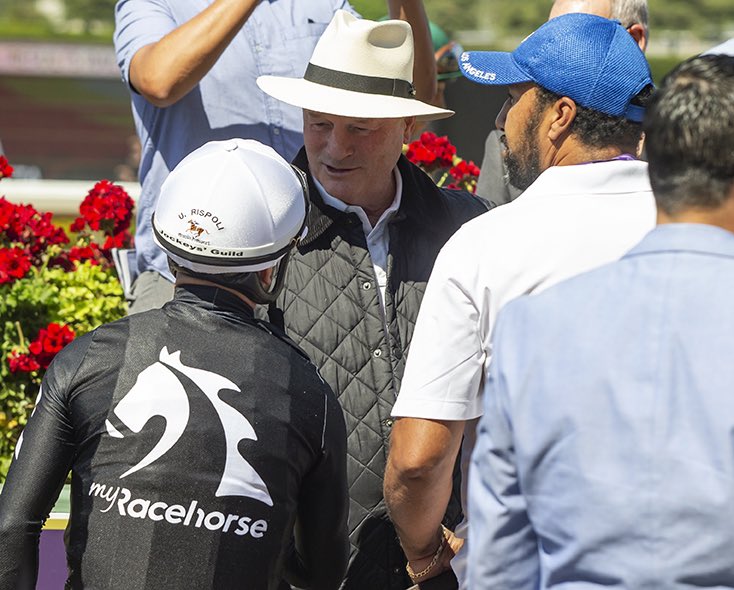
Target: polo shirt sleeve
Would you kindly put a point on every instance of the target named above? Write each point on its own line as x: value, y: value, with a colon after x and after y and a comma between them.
x: 139, y: 23
x: 445, y: 365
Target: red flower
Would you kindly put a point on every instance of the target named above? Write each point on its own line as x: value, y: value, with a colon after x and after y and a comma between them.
x: 420, y: 154
x: 77, y: 225
x: 23, y: 363
x: 119, y: 240
x: 106, y: 207
x: 14, y: 264
x: 50, y: 341
x: 7, y: 214
x: 431, y: 152
x: 69, y: 258
x: 6, y: 170
x: 82, y: 253
x: 464, y: 168
x: 36, y: 231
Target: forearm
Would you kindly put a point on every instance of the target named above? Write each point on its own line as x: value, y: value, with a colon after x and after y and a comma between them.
x: 424, y: 65
x: 19, y: 555
x: 417, y: 506
x: 32, y: 486
x: 418, y: 480
x: 165, y: 71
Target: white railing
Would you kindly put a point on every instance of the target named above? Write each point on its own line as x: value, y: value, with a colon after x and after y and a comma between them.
x: 61, y: 197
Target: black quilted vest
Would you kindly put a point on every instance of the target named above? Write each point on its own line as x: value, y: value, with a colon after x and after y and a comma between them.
x: 331, y: 308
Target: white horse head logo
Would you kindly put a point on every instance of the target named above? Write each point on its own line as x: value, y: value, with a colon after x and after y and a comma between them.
x: 158, y: 392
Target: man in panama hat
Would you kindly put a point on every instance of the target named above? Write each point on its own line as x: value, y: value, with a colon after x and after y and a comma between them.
x: 376, y: 225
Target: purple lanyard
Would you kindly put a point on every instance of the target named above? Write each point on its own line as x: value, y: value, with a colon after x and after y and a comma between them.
x: 619, y: 157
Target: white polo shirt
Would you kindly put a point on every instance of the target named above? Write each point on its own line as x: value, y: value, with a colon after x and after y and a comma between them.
x: 570, y: 220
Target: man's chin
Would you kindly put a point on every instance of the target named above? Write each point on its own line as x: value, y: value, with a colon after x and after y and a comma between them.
x: 517, y: 175
x: 339, y: 189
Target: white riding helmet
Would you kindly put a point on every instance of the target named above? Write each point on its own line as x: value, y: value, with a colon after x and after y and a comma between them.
x: 231, y: 207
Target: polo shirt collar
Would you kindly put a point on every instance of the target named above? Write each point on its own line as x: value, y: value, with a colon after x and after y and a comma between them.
x: 579, y: 179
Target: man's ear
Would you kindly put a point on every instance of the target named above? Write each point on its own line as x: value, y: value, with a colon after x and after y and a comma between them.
x: 266, y: 276
x: 563, y: 114
x: 638, y: 33
x: 409, y: 127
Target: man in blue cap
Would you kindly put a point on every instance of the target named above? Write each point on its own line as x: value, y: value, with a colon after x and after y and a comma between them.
x: 492, y: 183
x: 572, y: 121
x: 604, y: 458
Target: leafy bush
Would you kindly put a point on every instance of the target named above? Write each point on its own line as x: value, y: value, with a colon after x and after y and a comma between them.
x: 51, y: 290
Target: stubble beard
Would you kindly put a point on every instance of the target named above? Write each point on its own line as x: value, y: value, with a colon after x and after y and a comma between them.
x: 522, y: 167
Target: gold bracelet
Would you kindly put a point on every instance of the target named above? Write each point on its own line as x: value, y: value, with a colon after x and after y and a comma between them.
x: 424, y: 572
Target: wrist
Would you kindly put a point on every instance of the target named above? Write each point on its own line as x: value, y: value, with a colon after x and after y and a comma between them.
x: 419, y: 566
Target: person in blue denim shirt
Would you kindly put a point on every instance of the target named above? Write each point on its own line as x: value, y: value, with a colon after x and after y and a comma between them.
x: 191, y: 75
x: 605, y: 455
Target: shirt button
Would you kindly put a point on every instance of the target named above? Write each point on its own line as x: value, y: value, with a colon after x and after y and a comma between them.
x: 397, y: 570
x: 377, y: 353
x: 366, y: 285
x: 276, y: 131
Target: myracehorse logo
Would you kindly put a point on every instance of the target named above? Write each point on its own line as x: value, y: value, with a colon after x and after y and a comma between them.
x: 158, y: 392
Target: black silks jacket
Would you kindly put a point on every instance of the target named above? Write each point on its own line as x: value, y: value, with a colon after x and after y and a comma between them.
x: 331, y: 309
x: 196, y: 436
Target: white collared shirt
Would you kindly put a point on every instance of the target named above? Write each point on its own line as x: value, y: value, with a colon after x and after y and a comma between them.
x: 570, y: 220
x: 378, y: 238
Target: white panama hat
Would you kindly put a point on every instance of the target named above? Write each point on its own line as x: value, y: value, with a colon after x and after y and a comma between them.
x: 359, y: 68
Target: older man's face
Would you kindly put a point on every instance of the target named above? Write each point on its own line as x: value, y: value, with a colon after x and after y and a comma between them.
x: 353, y: 158
x: 518, y: 120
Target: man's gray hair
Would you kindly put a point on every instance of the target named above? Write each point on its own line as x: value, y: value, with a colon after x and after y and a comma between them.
x: 630, y: 12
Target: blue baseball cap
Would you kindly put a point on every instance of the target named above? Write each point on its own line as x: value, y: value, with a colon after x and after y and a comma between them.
x: 590, y: 59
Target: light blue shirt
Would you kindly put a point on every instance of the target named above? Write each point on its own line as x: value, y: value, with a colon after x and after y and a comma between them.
x: 277, y: 39
x: 605, y: 455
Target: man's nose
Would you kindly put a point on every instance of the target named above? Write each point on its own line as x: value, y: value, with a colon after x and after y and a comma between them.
x: 340, y: 143
x: 499, y: 121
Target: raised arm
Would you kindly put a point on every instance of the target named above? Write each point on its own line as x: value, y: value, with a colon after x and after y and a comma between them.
x: 165, y: 71
x: 424, y: 66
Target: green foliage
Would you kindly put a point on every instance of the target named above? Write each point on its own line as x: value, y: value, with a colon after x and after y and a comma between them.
x: 371, y: 9
x: 19, y: 10
x: 455, y: 15
x: 92, y: 12
x: 85, y: 298
x: 708, y: 19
